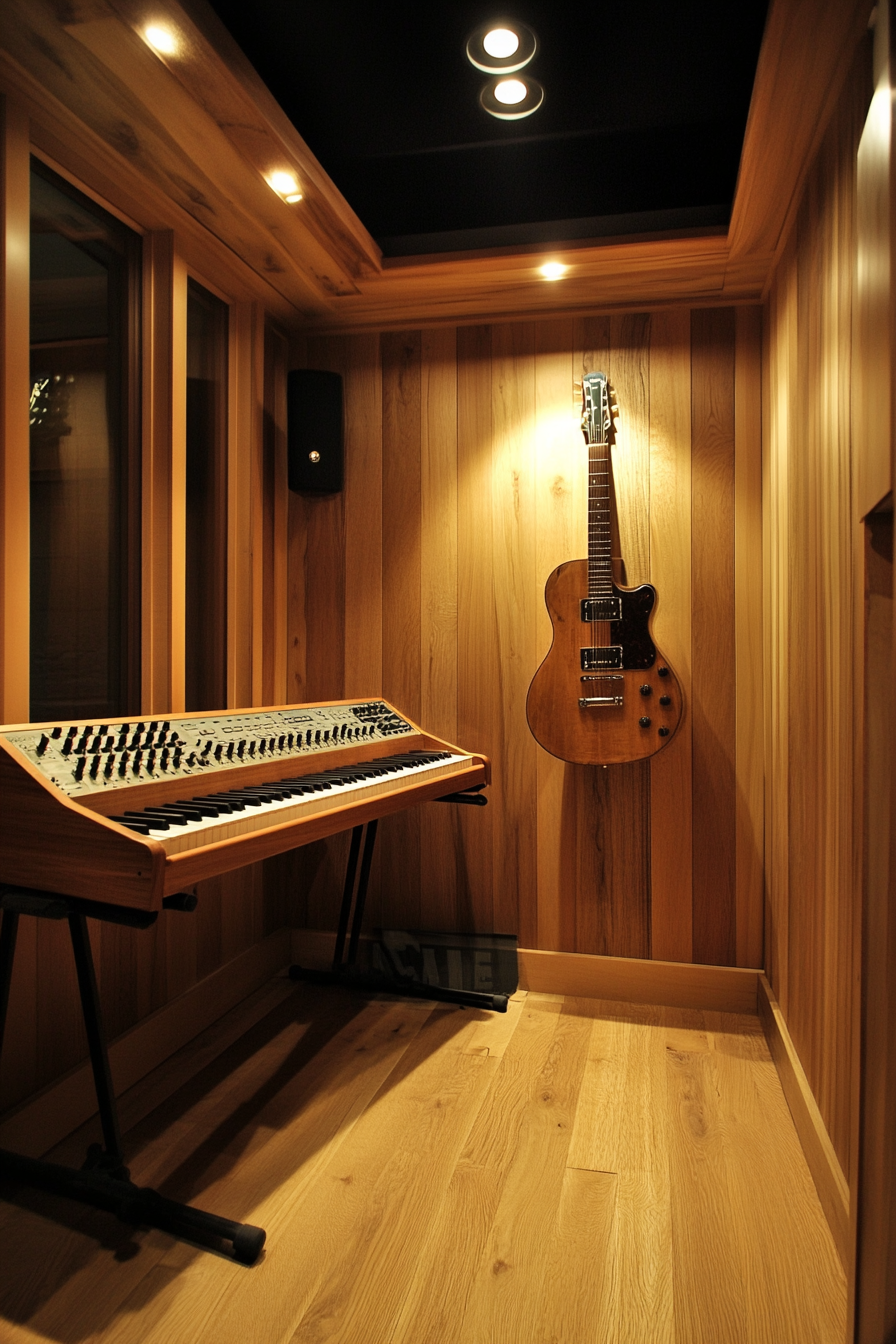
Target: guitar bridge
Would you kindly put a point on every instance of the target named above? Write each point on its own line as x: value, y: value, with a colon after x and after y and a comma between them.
x: 601, y: 608
x: 613, y: 700
x: 609, y: 656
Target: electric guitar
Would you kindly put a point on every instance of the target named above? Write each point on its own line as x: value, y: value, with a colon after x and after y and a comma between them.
x: 604, y: 694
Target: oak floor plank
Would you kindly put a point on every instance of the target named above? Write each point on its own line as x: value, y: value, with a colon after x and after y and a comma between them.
x: 509, y: 1282
x: 621, y: 1126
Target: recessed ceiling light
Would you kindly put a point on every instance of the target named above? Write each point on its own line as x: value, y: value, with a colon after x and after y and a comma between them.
x: 285, y: 185
x: 161, y: 39
x: 510, y: 91
x: 501, y: 47
x: 501, y: 42
x: 553, y: 270
x: 510, y: 99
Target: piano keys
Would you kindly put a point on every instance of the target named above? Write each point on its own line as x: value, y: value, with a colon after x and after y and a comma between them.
x: 134, y: 811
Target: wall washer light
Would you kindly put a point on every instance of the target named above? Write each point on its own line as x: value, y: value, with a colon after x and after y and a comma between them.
x: 511, y: 99
x: 161, y: 39
x: 553, y: 270
x: 501, y: 47
x: 285, y: 185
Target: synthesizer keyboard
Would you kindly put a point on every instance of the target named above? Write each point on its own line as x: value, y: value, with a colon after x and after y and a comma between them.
x: 140, y: 808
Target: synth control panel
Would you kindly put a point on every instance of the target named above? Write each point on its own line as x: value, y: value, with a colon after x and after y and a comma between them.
x: 87, y: 758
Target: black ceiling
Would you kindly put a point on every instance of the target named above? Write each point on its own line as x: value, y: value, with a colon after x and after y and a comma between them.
x: 640, y: 131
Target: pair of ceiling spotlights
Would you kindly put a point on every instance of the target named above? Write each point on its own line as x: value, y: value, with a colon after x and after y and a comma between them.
x: 503, y: 48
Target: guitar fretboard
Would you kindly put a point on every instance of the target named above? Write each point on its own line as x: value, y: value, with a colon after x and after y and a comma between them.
x: 600, y: 572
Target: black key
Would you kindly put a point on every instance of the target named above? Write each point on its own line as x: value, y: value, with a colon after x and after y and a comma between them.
x: 141, y: 827
x: 147, y: 819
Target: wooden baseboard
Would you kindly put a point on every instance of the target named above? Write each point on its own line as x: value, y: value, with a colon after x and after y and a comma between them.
x: 830, y: 1182
x: 726, y: 989
x: 42, y: 1121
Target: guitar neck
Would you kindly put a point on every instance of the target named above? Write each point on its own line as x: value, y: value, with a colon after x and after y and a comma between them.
x: 600, y: 571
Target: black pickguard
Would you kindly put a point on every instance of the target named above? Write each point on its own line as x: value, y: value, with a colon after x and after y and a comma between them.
x: 631, y: 632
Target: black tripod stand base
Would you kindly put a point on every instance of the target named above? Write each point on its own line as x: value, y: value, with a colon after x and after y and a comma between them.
x: 131, y: 1203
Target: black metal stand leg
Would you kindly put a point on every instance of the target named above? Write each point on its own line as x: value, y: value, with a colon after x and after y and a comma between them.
x: 96, y: 1041
x: 361, y: 898
x: 103, y: 1181
x: 347, y: 893
x: 343, y: 971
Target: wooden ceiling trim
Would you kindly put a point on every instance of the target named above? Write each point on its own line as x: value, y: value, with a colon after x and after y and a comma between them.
x: 803, y: 62
x: 216, y: 75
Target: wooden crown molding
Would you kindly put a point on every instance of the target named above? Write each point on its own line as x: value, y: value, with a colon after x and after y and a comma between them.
x: 201, y: 130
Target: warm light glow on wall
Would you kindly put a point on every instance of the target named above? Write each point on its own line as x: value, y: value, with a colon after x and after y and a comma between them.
x: 161, y: 39
x: 285, y: 186
x: 553, y: 270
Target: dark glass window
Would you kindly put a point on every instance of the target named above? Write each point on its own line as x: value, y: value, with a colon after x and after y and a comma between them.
x: 85, y: 481
x: 206, y: 540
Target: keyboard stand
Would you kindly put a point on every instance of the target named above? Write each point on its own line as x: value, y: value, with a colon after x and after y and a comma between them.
x: 344, y: 970
x: 104, y: 1180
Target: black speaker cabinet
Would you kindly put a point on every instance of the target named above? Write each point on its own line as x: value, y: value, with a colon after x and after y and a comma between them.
x: 314, y: 431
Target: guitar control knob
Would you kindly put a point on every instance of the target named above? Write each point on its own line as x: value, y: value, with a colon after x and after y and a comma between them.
x: 664, y: 732
x: 662, y: 671
x: 646, y: 689
x: 665, y: 699
x: 42, y: 744
x: 644, y: 721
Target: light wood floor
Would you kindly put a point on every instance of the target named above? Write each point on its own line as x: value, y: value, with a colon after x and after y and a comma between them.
x: 576, y: 1171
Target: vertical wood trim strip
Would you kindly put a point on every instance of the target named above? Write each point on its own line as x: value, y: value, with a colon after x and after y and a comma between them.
x: 243, y: 444
x: 671, y: 771
x: 399, y: 845
x: 713, y: 694
x: 748, y: 571
x: 560, y: 535
x: 158, y: 410
x: 177, y: 502
x: 275, y: 520
x: 513, y: 570
x: 15, y: 478
x: 477, y: 662
x: 439, y: 829
x: 363, y: 516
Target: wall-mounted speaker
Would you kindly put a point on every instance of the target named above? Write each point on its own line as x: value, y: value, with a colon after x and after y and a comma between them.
x: 314, y: 431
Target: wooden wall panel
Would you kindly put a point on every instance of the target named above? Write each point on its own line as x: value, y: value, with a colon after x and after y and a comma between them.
x: 560, y: 533
x: 812, y: 589
x: 399, y: 847
x: 440, y: 884
x: 671, y: 772
x: 712, y: 624
x: 478, y: 660
x: 482, y: 493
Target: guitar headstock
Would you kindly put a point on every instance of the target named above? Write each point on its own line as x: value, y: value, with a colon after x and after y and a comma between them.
x: 599, y: 409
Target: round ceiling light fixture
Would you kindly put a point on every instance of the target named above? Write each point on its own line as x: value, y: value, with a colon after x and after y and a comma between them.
x: 553, y: 270
x: 511, y: 99
x: 501, y: 47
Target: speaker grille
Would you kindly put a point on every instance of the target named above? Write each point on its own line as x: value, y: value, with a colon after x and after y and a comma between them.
x: 314, y: 431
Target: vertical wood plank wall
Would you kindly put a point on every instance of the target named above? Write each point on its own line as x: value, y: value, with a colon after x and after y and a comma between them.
x: 813, y: 581
x: 423, y: 581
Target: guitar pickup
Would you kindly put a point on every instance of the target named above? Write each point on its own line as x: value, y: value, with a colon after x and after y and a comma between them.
x: 601, y: 608
x: 612, y: 700
x: 609, y: 656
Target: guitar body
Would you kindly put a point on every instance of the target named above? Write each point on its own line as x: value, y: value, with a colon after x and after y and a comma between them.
x: 602, y: 679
